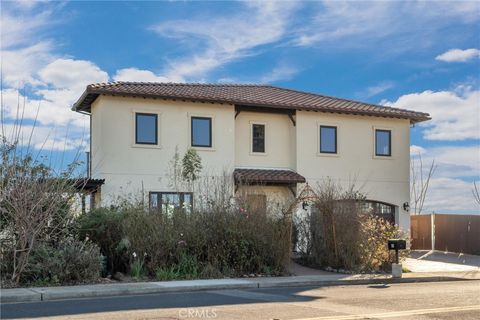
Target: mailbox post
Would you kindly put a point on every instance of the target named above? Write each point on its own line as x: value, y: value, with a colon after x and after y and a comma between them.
x: 397, y: 244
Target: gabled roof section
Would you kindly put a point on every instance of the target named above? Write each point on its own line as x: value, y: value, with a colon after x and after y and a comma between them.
x: 242, y: 94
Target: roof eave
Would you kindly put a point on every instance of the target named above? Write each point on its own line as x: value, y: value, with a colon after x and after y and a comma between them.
x: 80, y: 107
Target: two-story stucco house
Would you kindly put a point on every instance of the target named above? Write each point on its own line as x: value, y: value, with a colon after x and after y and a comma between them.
x: 272, y: 137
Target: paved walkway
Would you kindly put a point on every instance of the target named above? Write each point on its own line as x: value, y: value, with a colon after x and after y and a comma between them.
x: 438, y: 261
x: 299, y: 270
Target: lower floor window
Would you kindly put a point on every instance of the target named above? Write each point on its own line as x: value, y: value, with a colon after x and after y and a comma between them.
x: 381, y: 210
x: 168, y: 202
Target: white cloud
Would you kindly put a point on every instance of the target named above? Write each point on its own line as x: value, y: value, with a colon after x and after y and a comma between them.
x: 379, y: 88
x: 281, y: 72
x: 453, y: 161
x: 52, y: 109
x: 227, y: 38
x: 19, y: 25
x: 450, y: 190
x: 46, y: 138
x: 19, y: 66
x: 455, y: 114
x: 339, y: 19
x: 416, y: 150
x: 72, y: 74
x: 449, y: 195
x: 48, y: 83
x: 391, y: 26
x: 134, y: 74
x: 458, y: 55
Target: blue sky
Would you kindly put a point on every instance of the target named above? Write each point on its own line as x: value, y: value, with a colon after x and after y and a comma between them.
x: 416, y: 55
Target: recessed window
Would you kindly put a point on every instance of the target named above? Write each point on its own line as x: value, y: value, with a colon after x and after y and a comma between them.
x: 146, y: 128
x: 383, y: 143
x: 169, y: 202
x: 328, y: 139
x: 201, y: 132
x: 258, y: 138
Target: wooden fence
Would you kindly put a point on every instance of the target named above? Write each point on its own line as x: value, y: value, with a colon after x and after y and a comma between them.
x: 446, y: 232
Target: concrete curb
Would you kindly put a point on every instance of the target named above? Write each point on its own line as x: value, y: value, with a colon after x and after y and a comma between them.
x: 121, y: 289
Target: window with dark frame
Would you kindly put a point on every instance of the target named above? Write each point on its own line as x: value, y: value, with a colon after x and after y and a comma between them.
x: 146, y: 128
x: 258, y: 138
x: 328, y: 139
x: 383, y: 143
x: 168, y: 202
x: 201, y: 132
x: 381, y: 210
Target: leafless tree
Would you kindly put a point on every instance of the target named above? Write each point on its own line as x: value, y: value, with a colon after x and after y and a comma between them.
x: 476, y: 192
x: 420, y: 177
x: 34, y: 198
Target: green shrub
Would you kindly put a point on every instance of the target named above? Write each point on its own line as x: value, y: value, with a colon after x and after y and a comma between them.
x: 167, y: 273
x: 137, y: 269
x: 70, y: 261
x: 104, y: 227
x: 181, y: 245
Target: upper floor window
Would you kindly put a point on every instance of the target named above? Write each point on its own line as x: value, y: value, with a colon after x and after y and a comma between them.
x: 383, y: 143
x: 258, y: 138
x: 201, y: 132
x: 328, y: 139
x: 146, y: 128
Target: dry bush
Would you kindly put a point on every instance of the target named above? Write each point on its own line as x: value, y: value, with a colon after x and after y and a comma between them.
x: 219, y: 238
x: 35, y: 199
x: 34, y: 203
x: 339, y: 233
x: 68, y: 261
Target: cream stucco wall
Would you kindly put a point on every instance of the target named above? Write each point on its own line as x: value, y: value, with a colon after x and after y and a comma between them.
x: 278, y: 197
x: 129, y: 168
x: 279, y: 141
x: 384, y: 179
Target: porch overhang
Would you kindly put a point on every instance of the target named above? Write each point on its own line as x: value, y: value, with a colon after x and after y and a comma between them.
x: 267, y: 177
x: 88, y: 185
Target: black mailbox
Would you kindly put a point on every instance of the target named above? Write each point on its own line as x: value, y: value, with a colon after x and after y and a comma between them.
x: 397, y: 244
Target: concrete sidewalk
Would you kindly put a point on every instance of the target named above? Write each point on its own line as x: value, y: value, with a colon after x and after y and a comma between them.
x: 138, y: 288
x: 439, y: 261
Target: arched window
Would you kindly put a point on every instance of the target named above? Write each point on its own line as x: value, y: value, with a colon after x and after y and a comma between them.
x: 381, y: 209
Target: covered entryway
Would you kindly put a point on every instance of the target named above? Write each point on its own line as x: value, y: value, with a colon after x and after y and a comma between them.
x: 264, y: 187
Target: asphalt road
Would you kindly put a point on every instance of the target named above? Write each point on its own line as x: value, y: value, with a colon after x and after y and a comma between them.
x: 440, y: 300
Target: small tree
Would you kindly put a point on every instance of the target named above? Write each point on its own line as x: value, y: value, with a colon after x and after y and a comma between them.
x: 191, y: 166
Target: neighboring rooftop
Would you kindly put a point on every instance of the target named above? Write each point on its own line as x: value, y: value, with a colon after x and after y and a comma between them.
x: 242, y: 94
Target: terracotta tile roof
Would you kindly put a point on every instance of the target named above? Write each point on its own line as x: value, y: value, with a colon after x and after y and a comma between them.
x: 245, y: 95
x: 267, y: 176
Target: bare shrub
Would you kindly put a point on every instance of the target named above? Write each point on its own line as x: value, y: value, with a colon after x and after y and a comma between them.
x: 68, y: 261
x: 34, y: 203
x: 220, y: 238
x: 35, y: 199
x: 339, y: 232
